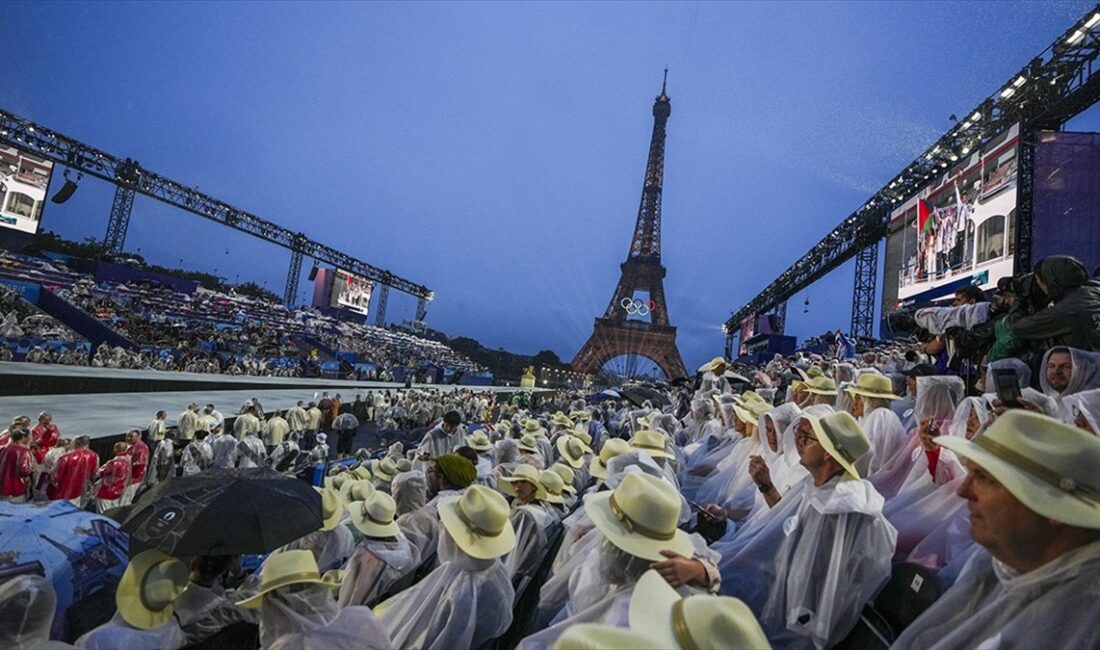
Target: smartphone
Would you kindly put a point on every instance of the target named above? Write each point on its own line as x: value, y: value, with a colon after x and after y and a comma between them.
x: 1007, y: 384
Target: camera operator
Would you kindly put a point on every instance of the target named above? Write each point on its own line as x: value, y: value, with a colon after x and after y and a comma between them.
x: 1073, y: 320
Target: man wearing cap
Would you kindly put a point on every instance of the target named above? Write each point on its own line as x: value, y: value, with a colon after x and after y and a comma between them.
x: 788, y: 570
x: 1034, y: 506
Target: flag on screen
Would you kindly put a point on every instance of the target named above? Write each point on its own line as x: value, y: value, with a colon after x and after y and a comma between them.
x: 926, y: 218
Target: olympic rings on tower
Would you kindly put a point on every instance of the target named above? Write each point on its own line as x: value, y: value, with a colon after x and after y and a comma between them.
x: 638, y: 307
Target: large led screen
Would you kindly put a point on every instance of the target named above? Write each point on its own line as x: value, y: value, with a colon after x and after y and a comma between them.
x: 24, y: 179
x: 350, y: 292
x: 958, y: 230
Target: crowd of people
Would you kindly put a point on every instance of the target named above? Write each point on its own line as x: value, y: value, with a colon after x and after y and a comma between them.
x: 202, y: 331
x: 754, y: 506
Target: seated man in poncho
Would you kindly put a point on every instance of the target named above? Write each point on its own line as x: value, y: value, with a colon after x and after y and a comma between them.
x: 1034, y: 506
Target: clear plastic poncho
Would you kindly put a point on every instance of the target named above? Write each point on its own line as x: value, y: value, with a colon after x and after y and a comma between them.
x: 117, y: 634
x: 992, y: 606
x: 936, y: 399
x: 535, y: 527
x: 331, y: 548
x: 884, y: 430
x: 354, y: 628
x: 409, y: 491
x: 787, y: 569
x: 1085, y: 404
x: 374, y: 566
x: 463, y: 603
x: 27, y: 605
x: 1023, y: 372
x: 702, y: 412
x: 295, y: 609
x: 1085, y: 375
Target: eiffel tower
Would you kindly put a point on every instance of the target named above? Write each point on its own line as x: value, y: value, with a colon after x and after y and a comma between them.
x: 616, y: 333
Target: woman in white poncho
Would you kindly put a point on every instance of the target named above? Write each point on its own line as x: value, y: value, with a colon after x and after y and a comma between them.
x: 703, y: 460
x: 932, y: 466
x: 467, y: 599
x: 699, y: 422
x: 871, y: 397
x: 382, y: 557
x: 732, y: 487
x: 934, y: 520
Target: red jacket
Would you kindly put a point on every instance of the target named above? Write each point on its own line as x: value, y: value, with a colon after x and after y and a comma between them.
x: 15, y: 470
x: 139, y: 460
x: 114, y: 476
x: 46, y: 437
x: 73, y: 472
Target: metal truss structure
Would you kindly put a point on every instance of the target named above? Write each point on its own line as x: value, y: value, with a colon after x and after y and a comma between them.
x: 1052, y: 88
x: 130, y: 178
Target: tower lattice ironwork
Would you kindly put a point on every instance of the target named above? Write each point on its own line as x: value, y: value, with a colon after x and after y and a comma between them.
x: 615, y: 334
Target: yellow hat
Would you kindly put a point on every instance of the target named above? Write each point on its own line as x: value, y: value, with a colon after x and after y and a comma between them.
x: 700, y: 622
x: 384, y: 470
x: 150, y: 585
x: 580, y: 432
x: 598, y: 466
x: 552, y: 486
x: 640, y: 516
x: 282, y: 569
x: 522, y: 472
x: 562, y: 419
x: 1050, y: 466
x: 332, y: 507
x: 375, y: 516
x: 478, y: 441
x: 567, y: 475
x: 872, y: 384
x: 714, y: 364
x: 821, y: 385
x: 528, y: 443
x: 356, y: 491
x: 842, y: 438
x: 572, y: 451
x: 361, y: 472
x: 478, y: 522
x: 532, y: 425
x: 650, y: 442
x: 580, y: 416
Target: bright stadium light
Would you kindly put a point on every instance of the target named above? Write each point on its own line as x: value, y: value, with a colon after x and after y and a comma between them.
x: 1021, y: 80
x: 976, y: 116
x: 1074, y: 37
x: 1008, y: 92
x: 1095, y: 18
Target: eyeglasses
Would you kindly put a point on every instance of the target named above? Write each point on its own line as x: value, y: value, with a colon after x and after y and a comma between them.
x: 804, y: 438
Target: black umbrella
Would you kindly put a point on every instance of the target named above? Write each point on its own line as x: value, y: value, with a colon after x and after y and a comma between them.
x: 224, y: 512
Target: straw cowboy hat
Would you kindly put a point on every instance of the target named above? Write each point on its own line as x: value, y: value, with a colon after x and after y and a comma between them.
x: 640, y: 517
x: 580, y: 416
x: 283, y: 569
x: 532, y: 426
x: 479, y: 441
x: 478, y: 522
x: 384, y: 470
x: 567, y: 475
x: 598, y: 466
x: 750, y: 411
x: 528, y: 443
x: 403, y: 465
x: 596, y: 636
x: 522, y: 472
x: 871, y: 384
x: 150, y: 585
x: 699, y: 622
x: 1048, y: 465
x: 580, y: 432
x: 650, y: 442
x: 562, y: 419
x: 572, y: 451
x: 336, y: 481
x: 552, y: 485
x: 842, y: 438
x: 821, y: 385
x: 356, y: 491
x: 714, y: 364
x: 361, y: 472
x: 332, y: 507
x: 375, y: 516
x: 747, y: 397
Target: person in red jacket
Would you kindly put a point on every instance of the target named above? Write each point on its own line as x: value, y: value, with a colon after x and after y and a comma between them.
x: 73, y: 473
x: 139, y: 461
x: 114, y: 478
x: 15, y: 468
x: 45, y: 436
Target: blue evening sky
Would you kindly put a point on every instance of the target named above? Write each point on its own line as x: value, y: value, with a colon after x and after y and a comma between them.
x: 494, y: 151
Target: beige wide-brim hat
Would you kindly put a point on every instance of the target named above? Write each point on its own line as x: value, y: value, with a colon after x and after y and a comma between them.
x: 713, y: 364
x: 1048, y: 465
x: 821, y: 386
x: 332, y: 507
x: 659, y: 614
x: 572, y: 451
x: 361, y: 472
x: 871, y: 384
x: 375, y: 516
x: 478, y: 441
x: 528, y: 443
x: 650, y: 442
x: 532, y: 426
x: 640, y: 517
x: 552, y: 485
x: 595, y: 636
x: 567, y: 475
x: 580, y: 416
x: 478, y: 522
x: 522, y: 472
x: 562, y: 419
x: 750, y: 411
x: 842, y: 438
x: 356, y: 491
x: 150, y: 585
x: 580, y: 432
x: 282, y: 569
x: 598, y: 466
x: 384, y: 470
